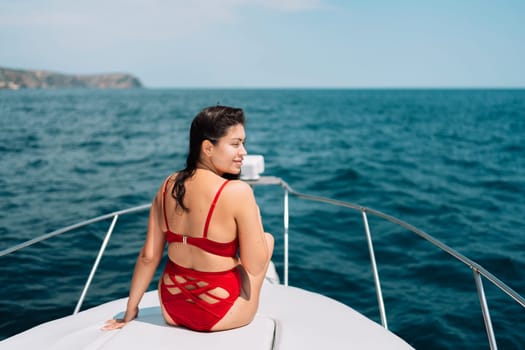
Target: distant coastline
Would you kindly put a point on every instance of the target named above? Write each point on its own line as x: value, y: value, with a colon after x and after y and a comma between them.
x: 15, y: 79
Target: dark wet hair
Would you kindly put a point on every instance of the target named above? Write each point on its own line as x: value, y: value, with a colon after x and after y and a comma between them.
x: 211, y: 124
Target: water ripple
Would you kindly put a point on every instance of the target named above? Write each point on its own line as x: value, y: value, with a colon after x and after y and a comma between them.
x: 450, y: 162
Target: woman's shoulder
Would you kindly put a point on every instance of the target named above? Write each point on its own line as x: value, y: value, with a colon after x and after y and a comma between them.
x: 239, y: 185
x: 238, y: 189
x: 167, y: 181
x: 171, y: 177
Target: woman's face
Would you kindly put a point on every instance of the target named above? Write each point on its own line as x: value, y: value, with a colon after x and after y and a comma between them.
x: 229, y: 151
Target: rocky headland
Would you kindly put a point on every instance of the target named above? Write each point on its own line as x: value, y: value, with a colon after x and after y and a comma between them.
x: 15, y: 79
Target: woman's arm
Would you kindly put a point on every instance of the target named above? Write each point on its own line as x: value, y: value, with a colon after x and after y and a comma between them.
x: 147, y: 262
x: 254, y: 252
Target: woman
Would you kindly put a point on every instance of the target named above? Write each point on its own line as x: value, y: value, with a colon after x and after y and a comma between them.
x: 218, y: 251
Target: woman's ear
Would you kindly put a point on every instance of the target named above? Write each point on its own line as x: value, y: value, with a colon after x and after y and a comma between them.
x: 207, y: 147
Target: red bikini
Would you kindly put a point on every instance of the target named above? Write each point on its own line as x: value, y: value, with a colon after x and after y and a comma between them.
x: 186, y: 293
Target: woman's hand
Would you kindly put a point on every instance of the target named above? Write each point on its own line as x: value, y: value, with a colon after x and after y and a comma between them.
x: 120, y: 322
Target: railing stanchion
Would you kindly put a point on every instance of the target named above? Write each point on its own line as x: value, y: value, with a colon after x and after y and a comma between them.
x: 485, y: 309
x: 286, y: 223
x: 376, y: 273
x: 95, y: 265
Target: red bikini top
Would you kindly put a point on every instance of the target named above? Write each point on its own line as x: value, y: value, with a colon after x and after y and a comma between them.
x: 228, y: 249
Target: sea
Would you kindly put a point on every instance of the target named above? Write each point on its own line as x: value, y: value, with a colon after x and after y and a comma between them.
x: 450, y: 162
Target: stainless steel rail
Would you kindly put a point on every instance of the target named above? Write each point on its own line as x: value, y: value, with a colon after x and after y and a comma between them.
x: 477, y: 269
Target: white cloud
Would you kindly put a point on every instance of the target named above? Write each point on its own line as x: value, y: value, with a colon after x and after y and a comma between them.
x: 290, y: 5
x: 83, y: 24
x: 145, y: 13
x: 90, y: 34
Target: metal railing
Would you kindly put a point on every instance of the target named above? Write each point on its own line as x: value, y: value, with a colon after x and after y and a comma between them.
x: 477, y: 269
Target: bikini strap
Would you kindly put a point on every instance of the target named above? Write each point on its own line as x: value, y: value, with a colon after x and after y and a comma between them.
x: 212, y: 207
x: 164, y: 203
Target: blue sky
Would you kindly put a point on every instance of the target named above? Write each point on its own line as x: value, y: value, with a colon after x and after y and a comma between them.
x: 272, y: 43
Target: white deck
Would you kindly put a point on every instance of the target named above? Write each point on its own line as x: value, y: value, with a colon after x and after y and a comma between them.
x: 288, y: 318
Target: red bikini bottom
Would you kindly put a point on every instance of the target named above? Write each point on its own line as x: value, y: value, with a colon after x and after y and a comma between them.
x: 197, y: 299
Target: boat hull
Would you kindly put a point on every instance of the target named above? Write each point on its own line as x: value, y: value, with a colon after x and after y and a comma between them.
x: 288, y: 318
